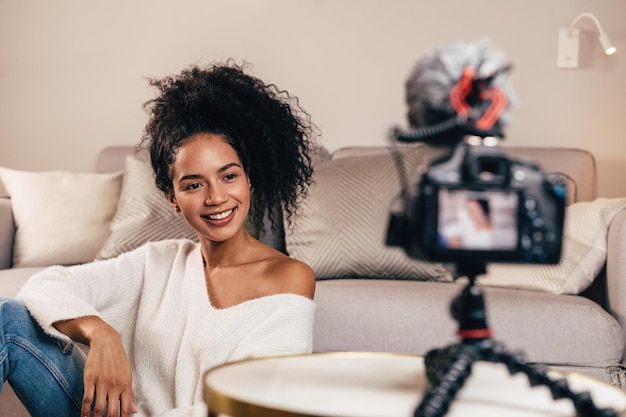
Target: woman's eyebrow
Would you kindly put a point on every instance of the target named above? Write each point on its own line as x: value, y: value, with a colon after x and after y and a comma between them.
x: 189, y: 177
x: 228, y: 166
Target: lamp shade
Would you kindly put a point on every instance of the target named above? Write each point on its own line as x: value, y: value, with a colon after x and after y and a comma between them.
x: 606, y: 43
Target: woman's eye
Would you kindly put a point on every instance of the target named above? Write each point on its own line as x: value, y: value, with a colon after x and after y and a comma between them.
x: 192, y: 186
x: 230, y: 177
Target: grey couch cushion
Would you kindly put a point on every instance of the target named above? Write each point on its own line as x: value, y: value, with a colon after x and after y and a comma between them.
x: 11, y: 280
x: 518, y: 318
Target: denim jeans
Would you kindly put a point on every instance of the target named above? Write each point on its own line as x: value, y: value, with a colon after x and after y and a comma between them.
x: 45, y: 373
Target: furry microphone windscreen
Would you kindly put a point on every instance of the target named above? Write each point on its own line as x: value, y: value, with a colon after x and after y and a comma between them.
x: 429, y: 84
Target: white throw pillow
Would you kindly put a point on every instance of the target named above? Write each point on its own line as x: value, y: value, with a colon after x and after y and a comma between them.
x: 61, y: 217
x: 583, y: 255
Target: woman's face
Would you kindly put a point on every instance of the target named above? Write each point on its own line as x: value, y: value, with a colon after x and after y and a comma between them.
x: 211, y: 188
x: 476, y: 212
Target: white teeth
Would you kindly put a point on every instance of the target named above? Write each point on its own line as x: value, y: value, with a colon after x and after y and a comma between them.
x: 220, y: 216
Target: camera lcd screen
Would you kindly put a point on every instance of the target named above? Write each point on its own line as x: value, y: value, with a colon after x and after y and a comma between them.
x: 484, y: 220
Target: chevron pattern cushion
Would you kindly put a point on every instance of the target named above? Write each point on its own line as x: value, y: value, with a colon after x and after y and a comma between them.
x: 340, y: 231
x: 143, y: 213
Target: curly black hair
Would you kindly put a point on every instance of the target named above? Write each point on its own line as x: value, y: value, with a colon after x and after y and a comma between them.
x: 266, y: 126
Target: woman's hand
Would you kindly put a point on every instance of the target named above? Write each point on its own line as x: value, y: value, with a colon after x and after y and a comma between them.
x: 107, y: 375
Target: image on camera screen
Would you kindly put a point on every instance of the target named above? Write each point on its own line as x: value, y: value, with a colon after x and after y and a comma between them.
x: 477, y: 220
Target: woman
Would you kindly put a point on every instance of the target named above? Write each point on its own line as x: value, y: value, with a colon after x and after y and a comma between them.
x: 472, y: 229
x: 223, y: 146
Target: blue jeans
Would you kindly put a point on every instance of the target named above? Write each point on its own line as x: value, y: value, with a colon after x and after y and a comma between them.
x: 45, y: 373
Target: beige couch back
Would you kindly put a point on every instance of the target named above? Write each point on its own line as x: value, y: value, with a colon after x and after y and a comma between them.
x: 577, y: 165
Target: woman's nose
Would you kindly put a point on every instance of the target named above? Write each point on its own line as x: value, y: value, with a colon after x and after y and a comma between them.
x: 216, y: 195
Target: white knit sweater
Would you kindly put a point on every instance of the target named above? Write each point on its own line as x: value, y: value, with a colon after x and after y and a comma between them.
x: 156, y: 298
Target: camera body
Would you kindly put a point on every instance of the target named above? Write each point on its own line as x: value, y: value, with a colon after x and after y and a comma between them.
x: 480, y: 206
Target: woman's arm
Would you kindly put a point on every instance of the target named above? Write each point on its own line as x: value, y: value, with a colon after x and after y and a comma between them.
x: 107, y: 375
x: 70, y: 302
x: 108, y: 288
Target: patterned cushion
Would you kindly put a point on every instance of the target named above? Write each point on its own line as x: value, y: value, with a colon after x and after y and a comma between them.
x: 340, y: 231
x: 143, y: 213
x: 582, y: 258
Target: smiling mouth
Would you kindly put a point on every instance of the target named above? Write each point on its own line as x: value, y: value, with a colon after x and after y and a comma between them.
x: 220, y: 216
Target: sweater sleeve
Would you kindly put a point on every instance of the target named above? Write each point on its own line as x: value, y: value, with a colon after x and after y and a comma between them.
x: 101, y: 288
x: 198, y: 410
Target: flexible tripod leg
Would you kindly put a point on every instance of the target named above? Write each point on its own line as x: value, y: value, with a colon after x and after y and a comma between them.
x: 537, y: 375
x: 447, y: 371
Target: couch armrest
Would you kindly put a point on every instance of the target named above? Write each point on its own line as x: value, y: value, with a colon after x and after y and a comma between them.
x: 616, y: 268
x: 7, y: 233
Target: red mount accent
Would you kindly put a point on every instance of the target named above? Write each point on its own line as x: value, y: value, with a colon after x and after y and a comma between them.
x: 458, y: 99
x: 474, y: 333
x: 460, y: 91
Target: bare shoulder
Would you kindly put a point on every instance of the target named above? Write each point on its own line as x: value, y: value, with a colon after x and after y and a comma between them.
x: 290, y: 275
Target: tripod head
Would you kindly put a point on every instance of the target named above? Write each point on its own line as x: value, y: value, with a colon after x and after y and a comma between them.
x: 468, y: 308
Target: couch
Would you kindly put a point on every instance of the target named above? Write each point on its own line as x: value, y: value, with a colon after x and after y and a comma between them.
x: 373, y: 298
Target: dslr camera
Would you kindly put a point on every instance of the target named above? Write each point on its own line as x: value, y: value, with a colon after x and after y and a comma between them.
x: 479, y: 205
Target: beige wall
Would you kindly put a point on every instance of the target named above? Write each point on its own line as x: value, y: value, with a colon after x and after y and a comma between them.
x: 72, y: 72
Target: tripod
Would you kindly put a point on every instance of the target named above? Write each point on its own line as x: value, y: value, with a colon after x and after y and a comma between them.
x: 448, y: 368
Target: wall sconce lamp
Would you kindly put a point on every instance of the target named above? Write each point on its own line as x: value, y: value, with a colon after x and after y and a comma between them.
x: 568, y: 45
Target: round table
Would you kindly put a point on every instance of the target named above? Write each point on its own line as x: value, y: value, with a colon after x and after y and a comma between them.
x: 362, y: 384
